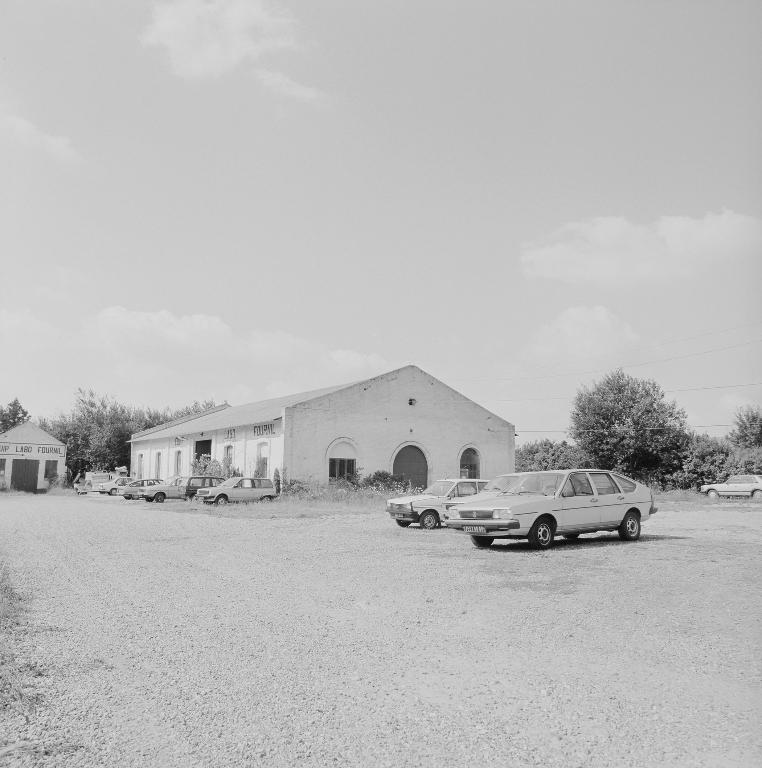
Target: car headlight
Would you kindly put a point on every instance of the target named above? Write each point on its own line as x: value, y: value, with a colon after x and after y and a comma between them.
x: 501, y: 513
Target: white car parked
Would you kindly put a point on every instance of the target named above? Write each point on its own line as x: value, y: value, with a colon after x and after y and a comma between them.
x: 427, y: 508
x: 539, y: 505
x: 749, y: 486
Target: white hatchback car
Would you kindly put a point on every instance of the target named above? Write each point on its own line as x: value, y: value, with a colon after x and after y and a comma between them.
x: 747, y: 486
x: 539, y: 505
x: 427, y: 508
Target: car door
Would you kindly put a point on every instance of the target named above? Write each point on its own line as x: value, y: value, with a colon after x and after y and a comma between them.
x: 611, y: 501
x: 579, y: 503
x: 465, y: 489
x: 247, y: 489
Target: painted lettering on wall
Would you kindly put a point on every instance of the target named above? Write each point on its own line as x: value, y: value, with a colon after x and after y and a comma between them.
x: 260, y: 430
x: 230, y: 434
x: 25, y: 450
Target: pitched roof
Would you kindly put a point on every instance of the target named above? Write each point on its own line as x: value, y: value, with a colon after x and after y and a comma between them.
x: 180, y: 420
x: 29, y: 433
x: 251, y: 413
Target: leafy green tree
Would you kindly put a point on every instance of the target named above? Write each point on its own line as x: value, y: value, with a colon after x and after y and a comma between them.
x: 624, y: 423
x: 748, y: 429
x: 549, y: 454
x: 97, y: 430
x: 12, y: 415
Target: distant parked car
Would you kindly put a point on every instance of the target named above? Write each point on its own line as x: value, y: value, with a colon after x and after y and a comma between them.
x: 238, y: 489
x: 111, y: 487
x: 749, y: 486
x: 131, y: 490
x: 427, y: 508
x: 539, y: 505
x: 178, y: 488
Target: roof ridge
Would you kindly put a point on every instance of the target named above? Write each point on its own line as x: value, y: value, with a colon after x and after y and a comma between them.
x: 181, y: 419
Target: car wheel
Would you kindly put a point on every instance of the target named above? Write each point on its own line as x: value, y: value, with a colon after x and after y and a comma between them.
x: 148, y: 498
x: 571, y: 536
x: 112, y: 492
x: 713, y: 494
x: 159, y: 498
x: 629, y: 528
x: 267, y: 498
x: 541, y: 533
x: 428, y: 520
x: 402, y: 523
x: 482, y: 542
x: 756, y: 494
x: 220, y: 501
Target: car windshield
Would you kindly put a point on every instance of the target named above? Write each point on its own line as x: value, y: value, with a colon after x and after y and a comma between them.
x: 545, y: 483
x: 229, y: 483
x: 440, y: 488
x: 501, y: 483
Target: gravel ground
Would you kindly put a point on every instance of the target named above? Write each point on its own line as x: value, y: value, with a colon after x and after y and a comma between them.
x: 168, y: 637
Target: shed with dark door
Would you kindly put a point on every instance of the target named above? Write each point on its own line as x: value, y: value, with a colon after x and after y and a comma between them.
x: 30, y: 459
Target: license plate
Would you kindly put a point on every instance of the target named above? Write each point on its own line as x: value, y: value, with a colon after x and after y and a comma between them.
x: 399, y: 514
x: 474, y: 529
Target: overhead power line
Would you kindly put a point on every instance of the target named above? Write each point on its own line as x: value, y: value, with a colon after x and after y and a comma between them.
x: 667, y: 391
x: 627, y: 365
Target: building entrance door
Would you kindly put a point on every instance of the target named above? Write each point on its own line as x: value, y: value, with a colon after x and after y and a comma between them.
x: 410, y: 464
x: 24, y: 475
x: 203, y: 448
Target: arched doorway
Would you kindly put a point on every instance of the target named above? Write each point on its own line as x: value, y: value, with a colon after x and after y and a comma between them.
x: 410, y: 464
x: 469, y: 463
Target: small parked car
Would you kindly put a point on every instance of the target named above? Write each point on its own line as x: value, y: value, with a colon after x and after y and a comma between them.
x: 748, y: 486
x: 111, y: 487
x: 539, y: 505
x: 178, y: 488
x: 427, y: 508
x: 238, y: 489
x: 131, y: 490
x: 493, y: 488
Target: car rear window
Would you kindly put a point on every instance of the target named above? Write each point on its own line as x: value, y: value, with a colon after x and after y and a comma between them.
x: 626, y: 485
x: 603, y: 484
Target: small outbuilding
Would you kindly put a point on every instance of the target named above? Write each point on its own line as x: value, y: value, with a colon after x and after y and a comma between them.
x: 30, y: 459
x: 405, y: 422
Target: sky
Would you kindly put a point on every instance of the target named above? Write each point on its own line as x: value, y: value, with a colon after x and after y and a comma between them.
x: 239, y: 199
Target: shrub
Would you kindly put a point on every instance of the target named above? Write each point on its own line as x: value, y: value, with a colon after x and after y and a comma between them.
x: 276, y: 481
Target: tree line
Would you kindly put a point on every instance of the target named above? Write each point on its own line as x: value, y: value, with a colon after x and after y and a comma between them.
x: 97, y: 429
x: 621, y: 423
x: 626, y: 424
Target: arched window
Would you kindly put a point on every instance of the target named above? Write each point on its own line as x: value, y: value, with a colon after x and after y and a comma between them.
x: 158, y: 466
x: 342, y: 461
x: 178, y: 462
x: 469, y: 463
x: 263, y: 459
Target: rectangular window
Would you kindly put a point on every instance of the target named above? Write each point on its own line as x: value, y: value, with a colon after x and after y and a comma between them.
x: 604, y: 484
x: 51, y: 470
x: 341, y: 469
x: 2, y: 467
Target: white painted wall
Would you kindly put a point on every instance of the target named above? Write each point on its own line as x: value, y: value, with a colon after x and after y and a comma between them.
x: 376, y: 418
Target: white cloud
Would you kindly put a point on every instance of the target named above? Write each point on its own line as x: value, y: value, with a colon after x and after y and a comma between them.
x: 25, y: 132
x: 581, y: 335
x: 285, y: 86
x: 614, y: 251
x: 209, y: 38
x: 159, y: 358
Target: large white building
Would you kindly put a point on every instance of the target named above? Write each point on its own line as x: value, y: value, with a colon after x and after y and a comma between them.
x: 405, y: 422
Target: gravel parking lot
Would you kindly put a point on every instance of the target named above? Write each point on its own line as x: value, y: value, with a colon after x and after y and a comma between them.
x: 162, y: 635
